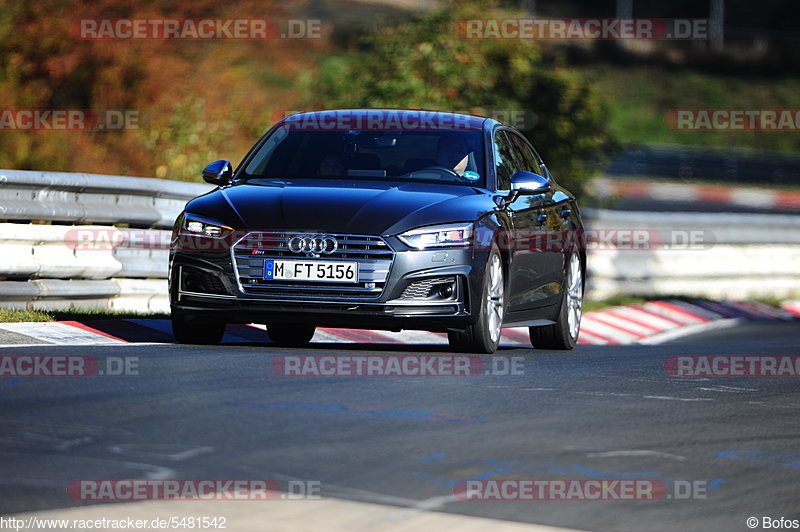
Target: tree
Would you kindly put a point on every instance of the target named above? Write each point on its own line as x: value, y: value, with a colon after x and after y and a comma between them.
x: 429, y: 63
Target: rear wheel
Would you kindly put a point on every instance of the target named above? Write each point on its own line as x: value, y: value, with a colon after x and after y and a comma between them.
x: 564, y: 333
x: 484, y: 335
x: 191, y: 330
x: 290, y: 334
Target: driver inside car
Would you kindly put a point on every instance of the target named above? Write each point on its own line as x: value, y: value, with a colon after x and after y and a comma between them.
x: 453, y: 153
x: 331, y: 165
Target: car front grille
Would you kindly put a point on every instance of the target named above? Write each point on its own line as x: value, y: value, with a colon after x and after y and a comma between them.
x: 372, y: 253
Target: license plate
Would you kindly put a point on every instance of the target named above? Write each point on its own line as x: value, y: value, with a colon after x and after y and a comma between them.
x: 310, y: 270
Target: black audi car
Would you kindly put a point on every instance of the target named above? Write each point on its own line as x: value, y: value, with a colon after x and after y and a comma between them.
x: 381, y: 219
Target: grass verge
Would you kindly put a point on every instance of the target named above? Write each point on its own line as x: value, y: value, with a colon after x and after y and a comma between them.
x: 10, y: 315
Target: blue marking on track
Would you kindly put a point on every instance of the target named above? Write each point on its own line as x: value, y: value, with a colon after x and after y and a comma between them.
x: 714, y: 484
x: 790, y: 460
x: 453, y: 483
x: 432, y: 457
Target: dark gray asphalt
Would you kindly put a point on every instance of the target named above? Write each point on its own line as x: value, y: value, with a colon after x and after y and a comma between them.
x: 595, y: 412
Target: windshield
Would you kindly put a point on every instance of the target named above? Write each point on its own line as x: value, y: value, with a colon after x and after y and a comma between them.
x: 440, y: 156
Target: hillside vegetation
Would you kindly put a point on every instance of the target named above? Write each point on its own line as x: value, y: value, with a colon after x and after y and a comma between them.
x: 199, y: 101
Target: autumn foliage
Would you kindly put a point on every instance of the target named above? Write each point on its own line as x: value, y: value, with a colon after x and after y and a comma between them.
x: 202, y: 100
x: 197, y: 101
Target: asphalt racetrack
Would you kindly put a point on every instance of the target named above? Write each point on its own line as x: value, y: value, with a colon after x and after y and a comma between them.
x: 598, y: 412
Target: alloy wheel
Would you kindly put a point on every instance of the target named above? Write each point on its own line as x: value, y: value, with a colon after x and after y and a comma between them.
x: 574, y: 295
x: 494, y: 303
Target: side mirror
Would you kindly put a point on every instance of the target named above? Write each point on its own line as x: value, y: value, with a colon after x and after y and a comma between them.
x: 218, y: 173
x: 527, y: 184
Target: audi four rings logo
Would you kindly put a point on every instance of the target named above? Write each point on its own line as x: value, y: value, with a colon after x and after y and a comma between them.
x: 322, y: 245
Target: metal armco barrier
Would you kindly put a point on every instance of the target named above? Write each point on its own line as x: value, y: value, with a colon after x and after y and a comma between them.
x: 46, y: 267
x: 61, y: 252
x: 133, y: 295
x: 717, y: 255
x: 93, y: 198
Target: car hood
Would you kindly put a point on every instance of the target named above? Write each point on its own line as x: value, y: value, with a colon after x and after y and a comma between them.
x: 341, y: 207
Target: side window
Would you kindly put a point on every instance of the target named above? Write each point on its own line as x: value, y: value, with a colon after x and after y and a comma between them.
x: 259, y: 162
x: 505, y: 163
x: 526, y: 157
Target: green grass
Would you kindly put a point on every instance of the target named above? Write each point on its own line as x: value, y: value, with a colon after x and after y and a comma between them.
x: 8, y: 315
x: 638, y: 98
x: 771, y: 301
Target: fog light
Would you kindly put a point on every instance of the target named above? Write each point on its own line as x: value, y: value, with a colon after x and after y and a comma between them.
x: 445, y: 291
x: 191, y: 282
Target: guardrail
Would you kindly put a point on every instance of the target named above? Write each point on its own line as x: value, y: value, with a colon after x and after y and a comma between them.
x: 736, y: 256
x: 133, y: 295
x: 45, y: 267
x: 93, y: 198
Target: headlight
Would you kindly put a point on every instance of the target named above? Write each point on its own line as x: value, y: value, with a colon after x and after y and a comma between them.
x: 436, y: 236
x: 197, y: 225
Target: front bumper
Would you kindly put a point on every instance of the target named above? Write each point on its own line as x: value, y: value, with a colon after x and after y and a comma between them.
x: 411, y: 295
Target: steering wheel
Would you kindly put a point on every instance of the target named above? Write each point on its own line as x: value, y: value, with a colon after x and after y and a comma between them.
x: 444, y: 169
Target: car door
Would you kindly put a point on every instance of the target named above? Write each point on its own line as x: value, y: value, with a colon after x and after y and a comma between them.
x: 535, y: 270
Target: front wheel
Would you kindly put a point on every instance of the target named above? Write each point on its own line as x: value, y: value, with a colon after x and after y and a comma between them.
x: 484, y: 335
x: 564, y: 333
x: 190, y: 330
x: 290, y: 334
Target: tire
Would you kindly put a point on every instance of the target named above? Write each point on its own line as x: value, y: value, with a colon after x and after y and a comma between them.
x: 563, y: 334
x: 290, y: 334
x: 484, y: 335
x: 190, y: 330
